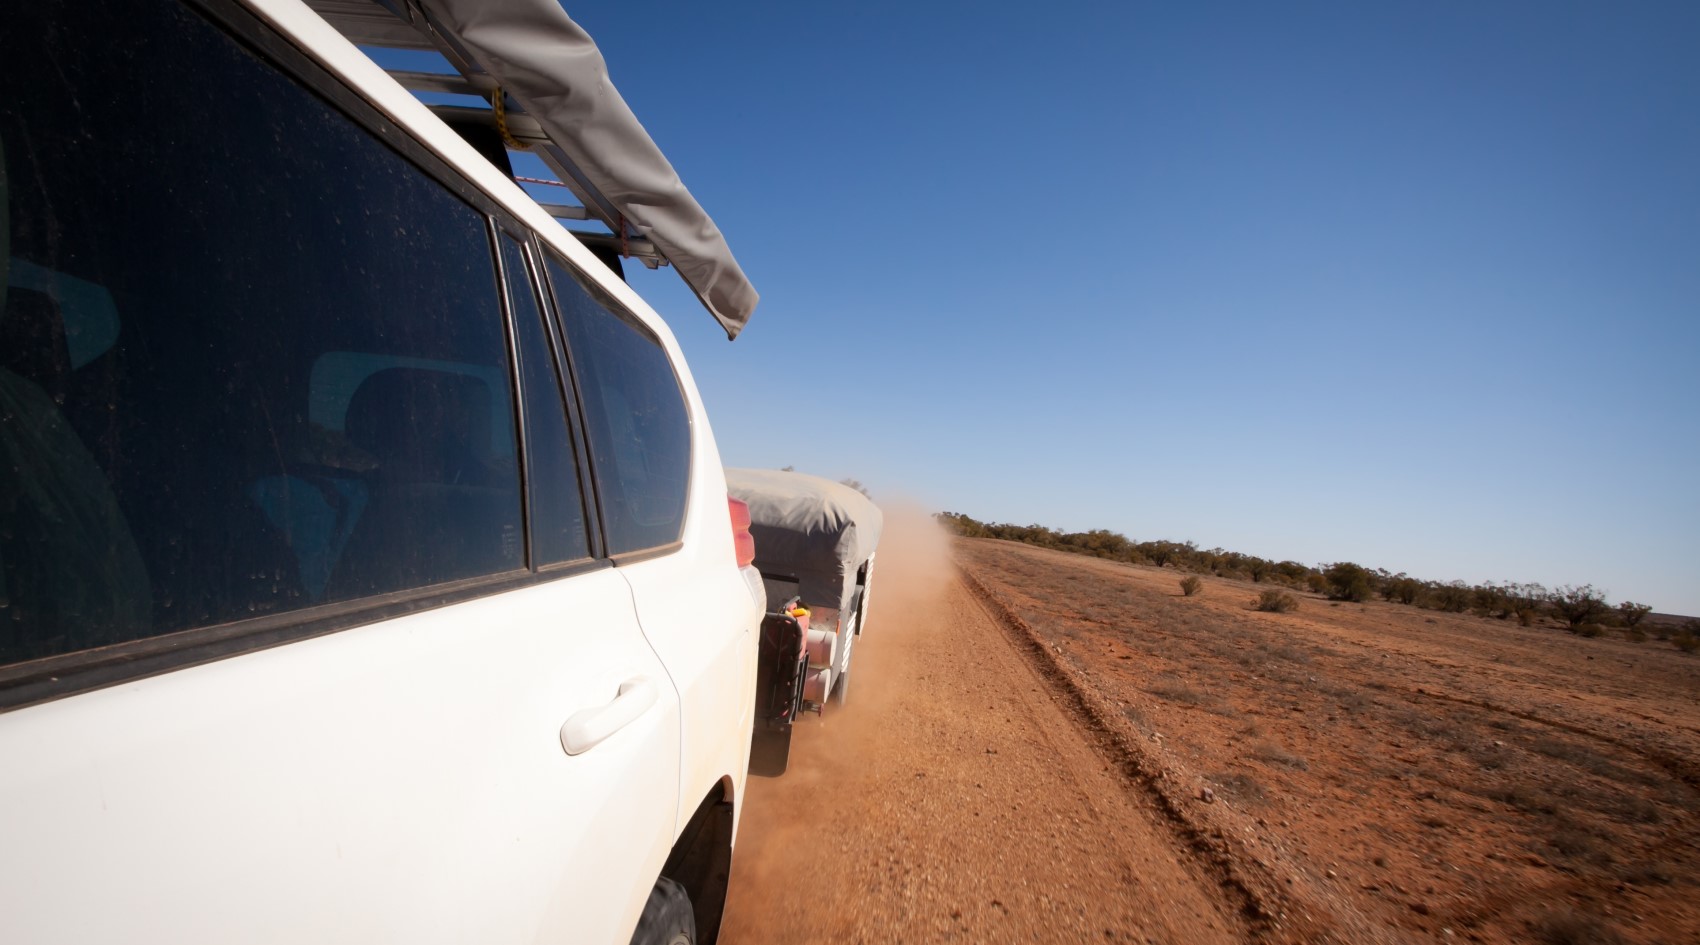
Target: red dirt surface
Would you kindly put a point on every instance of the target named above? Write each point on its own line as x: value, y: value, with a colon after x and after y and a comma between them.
x: 1393, y: 774
x: 955, y: 800
x: 1044, y: 747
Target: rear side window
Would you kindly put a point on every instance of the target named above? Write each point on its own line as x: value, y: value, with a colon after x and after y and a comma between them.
x: 639, y: 430
x: 251, y: 359
x: 557, y: 506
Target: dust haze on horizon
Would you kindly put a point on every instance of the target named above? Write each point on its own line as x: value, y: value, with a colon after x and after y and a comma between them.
x: 1413, y: 287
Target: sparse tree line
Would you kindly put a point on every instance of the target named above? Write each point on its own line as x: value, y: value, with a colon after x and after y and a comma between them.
x: 1581, y: 610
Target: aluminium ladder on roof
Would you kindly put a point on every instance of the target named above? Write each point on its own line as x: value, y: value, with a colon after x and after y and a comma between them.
x: 649, y: 214
x: 399, y: 25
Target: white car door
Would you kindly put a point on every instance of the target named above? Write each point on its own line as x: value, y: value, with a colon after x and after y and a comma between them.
x: 402, y: 782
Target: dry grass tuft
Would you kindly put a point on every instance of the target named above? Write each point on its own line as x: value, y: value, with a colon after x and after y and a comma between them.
x: 1240, y: 787
x: 1634, y: 809
x: 1565, y: 926
x: 1527, y: 799
x: 1648, y: 873
x: 1579, y: 845
x: 1275, y: 754
x: 1181, y: 693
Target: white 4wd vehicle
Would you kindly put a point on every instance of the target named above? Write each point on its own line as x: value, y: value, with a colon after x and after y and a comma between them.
x: 366, y: 565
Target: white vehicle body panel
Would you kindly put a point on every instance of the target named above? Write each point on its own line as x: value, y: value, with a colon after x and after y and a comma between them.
x: 403, y: 780
x: 397, y: 782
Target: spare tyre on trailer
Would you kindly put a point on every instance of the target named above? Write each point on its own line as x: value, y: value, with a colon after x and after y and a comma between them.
x: 815, y: 543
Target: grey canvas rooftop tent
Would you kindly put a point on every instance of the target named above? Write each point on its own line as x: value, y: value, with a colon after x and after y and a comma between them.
x: 551, y: 94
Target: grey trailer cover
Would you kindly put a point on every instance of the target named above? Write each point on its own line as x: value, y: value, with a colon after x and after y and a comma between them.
x: 812, y: 529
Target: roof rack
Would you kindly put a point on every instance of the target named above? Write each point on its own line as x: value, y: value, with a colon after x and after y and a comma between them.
x: 543, y: 78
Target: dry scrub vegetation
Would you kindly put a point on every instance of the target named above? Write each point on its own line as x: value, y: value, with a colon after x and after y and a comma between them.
x: 1581, y: 609
x: 1415, y: 775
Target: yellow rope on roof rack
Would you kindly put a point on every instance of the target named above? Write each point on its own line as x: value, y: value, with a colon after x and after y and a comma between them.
x: 496, y: 103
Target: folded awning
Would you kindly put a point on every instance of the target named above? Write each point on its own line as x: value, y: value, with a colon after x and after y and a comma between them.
x: 556, y: 85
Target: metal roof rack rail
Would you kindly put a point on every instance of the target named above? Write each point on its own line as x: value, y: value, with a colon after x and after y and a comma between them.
x: 543, y: 78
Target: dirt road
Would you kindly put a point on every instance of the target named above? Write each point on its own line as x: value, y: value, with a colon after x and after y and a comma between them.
x: 1042, y: 747
x: 959, y: 798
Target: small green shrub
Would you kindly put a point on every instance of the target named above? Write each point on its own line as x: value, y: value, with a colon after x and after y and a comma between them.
x: 1635, y: 634
x: 1490, y: 600
x: 1590, y: 630
x: 1349, y: 582
x: 1577, y: 605
x: 1403, y: 589
x: 1454, y: 597
x: 1632, y: 613
x: 1686, y: 640
x: 1276, y: 602
x: 1191, y: 585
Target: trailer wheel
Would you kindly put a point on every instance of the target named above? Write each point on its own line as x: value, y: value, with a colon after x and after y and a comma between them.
x: 667, y: 918
x: 841, y: 685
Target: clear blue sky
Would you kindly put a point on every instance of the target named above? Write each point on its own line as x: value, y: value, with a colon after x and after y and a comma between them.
x: 1416, y: 287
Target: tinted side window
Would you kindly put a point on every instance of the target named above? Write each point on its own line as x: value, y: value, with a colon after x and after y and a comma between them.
x: 254, y: 359
x: 639, y: 431
x: 557, y: 505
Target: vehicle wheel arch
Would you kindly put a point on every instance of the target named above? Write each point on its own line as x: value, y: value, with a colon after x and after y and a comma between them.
x: 701, y: 858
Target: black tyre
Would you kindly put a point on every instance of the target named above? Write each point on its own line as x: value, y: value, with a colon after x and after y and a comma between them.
x: 667, y: 917
x: 840, y: 695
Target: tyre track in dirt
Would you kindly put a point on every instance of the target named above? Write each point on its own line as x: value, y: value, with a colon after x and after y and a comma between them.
x: 960, y: 797
x: 1272, y: 914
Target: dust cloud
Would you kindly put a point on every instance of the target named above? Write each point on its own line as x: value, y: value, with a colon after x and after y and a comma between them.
x: 914, y: 564
x: 786, y: 816
x: 913, y: 572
